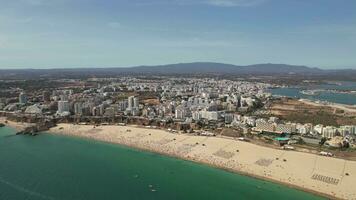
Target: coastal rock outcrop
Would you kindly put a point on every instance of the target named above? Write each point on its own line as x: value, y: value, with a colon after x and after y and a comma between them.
x: 35, y: 129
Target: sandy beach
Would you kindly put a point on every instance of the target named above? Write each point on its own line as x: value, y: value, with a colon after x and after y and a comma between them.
x: 331, y: 177
x: 347, y: 108
x: 15, y: 125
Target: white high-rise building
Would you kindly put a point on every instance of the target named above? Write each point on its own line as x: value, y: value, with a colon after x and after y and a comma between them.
x: 347, y: 130
x: 78, y: 108
x: 22, y: 98
x: 130, y: 102
x: 329, y: 132
x: 180, y: 113
x: 136, y: 103
x: 303, y: 128
x: 63, y: 106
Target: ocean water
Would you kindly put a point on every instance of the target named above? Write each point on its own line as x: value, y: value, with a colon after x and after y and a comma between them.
x: 349, y: 99
x: 53, y: 167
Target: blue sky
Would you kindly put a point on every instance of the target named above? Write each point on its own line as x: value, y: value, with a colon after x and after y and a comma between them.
x: 114, y: 33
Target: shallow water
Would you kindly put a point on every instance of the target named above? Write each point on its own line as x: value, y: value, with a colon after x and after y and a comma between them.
x: 57, y: 167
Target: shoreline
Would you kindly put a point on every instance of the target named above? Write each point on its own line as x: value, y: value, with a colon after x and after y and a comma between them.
x: 318, y: 102
x: 18, y: 126
x: 345, y: 107
x: 259, y: 162
x: 207, y: 164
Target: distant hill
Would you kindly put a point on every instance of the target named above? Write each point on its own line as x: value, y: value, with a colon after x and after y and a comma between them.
x: 220, y: 68
x: 197, y: 68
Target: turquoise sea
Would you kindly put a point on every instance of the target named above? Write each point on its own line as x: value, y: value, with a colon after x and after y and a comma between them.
x: 51, y: 167
x: 349, y: 99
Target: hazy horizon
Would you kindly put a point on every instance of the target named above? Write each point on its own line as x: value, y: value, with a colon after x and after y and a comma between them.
x: 108, y: 67
x: 124, y: 33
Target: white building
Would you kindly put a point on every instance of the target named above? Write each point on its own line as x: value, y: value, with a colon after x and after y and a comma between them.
x: 250, y: 120
x: 303, y: 128
x: 22, y: 98
x: 347, y: 130
x: 247, y: 101
x: 180, y: 113
x: 285, y: 128
x: 228, y: 118
x: 64, y: 97
x: 319, y: 129
x: 63, y: 106
x: 263, y: 125
x: 130, y: 102
x: 209, y: 115
x: 196, y: 115
x: 34, y: 109
x: 136, y: 102
x: 78, y: 108
x: 329, y: 132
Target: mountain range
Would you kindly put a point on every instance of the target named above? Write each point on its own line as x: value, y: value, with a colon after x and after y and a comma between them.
x: 197, y: 68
